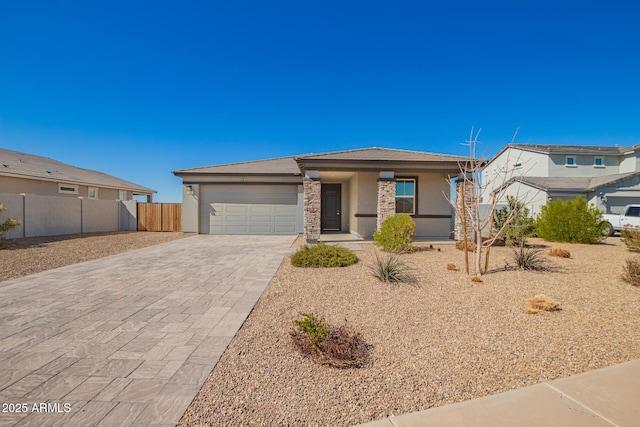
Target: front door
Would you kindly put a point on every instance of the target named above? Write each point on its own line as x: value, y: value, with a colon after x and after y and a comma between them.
x: 330, y: 211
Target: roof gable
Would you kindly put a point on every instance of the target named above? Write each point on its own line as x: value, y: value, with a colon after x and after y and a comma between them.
x: 382, y: 154
x: 30, y: 166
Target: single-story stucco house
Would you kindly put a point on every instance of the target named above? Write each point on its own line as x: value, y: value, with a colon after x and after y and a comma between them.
x: 42, y: 176
x: 349, y: 191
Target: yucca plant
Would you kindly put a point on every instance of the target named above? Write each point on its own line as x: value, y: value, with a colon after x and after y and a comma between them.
x: 528, y: 258
x: 390, y: 268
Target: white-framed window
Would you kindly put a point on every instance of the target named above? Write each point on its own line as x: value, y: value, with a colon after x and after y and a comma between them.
x: 122, y: 195
x: 93, y: 192
x: 571, y: 162
x: 67, y: 189
x: 598, y: 162
x: 406, y: 196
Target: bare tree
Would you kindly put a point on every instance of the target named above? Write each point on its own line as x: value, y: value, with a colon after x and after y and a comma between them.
x: 470, y: 187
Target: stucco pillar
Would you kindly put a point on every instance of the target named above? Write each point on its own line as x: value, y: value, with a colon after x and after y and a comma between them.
x: 311, y: 188
x: 386, y: 199
x: 464, y: 190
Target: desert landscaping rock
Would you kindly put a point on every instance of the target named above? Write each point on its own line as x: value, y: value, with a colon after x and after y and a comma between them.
x: 444, y: 341
x: 21, y: 257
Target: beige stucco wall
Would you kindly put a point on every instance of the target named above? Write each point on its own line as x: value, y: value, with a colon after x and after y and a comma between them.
x: 501, y: 169
x: 583, y: 166
x: 533, y: 198
x: 50, y: 188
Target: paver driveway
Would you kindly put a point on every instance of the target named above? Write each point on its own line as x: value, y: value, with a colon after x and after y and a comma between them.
x: 128, y: 339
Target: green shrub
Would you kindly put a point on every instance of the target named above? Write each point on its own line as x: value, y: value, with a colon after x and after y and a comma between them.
x: 631, y: 238
x: 8, y: 225
x: 520, y: 222
x: 340, y: 347
x: 632, y: 271
x: 316, y: 328
x: 572, y: 221
x: 390, y: 269
x: 395, y: 234
x: 323, y: 255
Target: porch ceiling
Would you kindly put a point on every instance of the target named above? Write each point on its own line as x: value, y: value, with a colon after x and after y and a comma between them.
x: 338, y: 175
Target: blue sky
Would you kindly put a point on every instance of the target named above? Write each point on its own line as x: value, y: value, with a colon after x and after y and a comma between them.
x: 137, y: 89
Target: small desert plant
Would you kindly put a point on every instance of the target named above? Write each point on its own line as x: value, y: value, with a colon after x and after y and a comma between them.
x: 395, y: 234
x: 572, y: 221
x: 340, y: 347
x: 323, y: 255
x: 632, y: 271
x: 560, y: 253
x: 8, y: 225
x: 316, y: 328
x: 514, y: 222
x: 470, y: 246
x: 541, y: 303
x: 476, y: 279
x: 631, y: 238
x: 391, y: 269
x: 451, y: 266
x: 528, y: 258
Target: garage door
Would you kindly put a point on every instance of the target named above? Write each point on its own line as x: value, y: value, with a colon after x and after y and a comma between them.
x: 616, y: 204
x: 249, y: 209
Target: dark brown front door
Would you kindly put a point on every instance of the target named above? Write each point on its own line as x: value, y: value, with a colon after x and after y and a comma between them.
x: 330, y: 211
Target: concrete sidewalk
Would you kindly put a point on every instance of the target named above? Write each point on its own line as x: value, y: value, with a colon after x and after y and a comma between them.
x: 127, y: 339
x: 606, y: 397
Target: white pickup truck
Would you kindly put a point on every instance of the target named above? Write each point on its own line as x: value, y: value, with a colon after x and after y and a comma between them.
x: 630, y: 217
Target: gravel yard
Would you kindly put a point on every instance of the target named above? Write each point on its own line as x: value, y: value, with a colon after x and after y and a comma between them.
x: 21, y: 257
x: 443, y: 341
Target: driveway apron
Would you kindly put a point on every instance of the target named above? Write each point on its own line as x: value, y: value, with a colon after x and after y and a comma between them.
x: 127, y: 339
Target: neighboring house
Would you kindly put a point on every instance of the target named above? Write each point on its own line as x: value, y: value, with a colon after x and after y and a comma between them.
x: 30, y: 174
x: 349, y: 191
x: 608, y: 177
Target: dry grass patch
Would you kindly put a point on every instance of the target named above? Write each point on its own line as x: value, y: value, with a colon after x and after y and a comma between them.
x: 632, y: 271
x: 451, y: 266
x: 560, y: 253
x: 336, y: 346
x: 476, y: 279
x: 470, y: 246
x: 540, y: 303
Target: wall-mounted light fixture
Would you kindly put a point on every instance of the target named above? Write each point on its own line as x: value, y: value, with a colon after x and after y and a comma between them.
x: 603, y: 199
x: 549, y: 198
x: 189, y: 189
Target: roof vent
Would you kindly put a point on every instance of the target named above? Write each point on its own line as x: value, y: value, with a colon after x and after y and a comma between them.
x: 5, y: 165
x: 49, y: 172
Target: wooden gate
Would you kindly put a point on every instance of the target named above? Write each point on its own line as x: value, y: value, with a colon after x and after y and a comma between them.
x: 159, y: 216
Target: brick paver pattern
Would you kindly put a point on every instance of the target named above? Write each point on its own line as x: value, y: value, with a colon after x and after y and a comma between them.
x: 128, y: 339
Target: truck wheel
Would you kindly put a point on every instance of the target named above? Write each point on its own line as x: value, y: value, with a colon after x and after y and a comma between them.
x: 611, y: 230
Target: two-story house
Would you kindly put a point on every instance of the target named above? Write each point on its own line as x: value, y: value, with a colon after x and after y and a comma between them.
x: 607, y: 176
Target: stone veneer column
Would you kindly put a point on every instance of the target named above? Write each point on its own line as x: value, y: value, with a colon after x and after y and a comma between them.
x: 468, y: 195
x: 311, y: 188
x: 386, y: 200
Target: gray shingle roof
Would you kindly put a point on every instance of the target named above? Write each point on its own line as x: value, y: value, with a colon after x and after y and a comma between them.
x: 277, y: 166
x: 383, y: 154
x: 289, y: 166
x: 574, y: 184
x: 575, y: 149
x: 34, y: 167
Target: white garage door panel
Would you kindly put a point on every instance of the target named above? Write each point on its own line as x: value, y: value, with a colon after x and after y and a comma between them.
x: 249, y: 209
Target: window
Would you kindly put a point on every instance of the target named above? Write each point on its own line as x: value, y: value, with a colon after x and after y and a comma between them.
x: 93, y: 193
x: 571, y: 161
x: 517, y: 165
x: 67, y: 189
x: 598, y: 162
x: 633, y: 211
x: 122, y: 195
x: 406, y: 196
